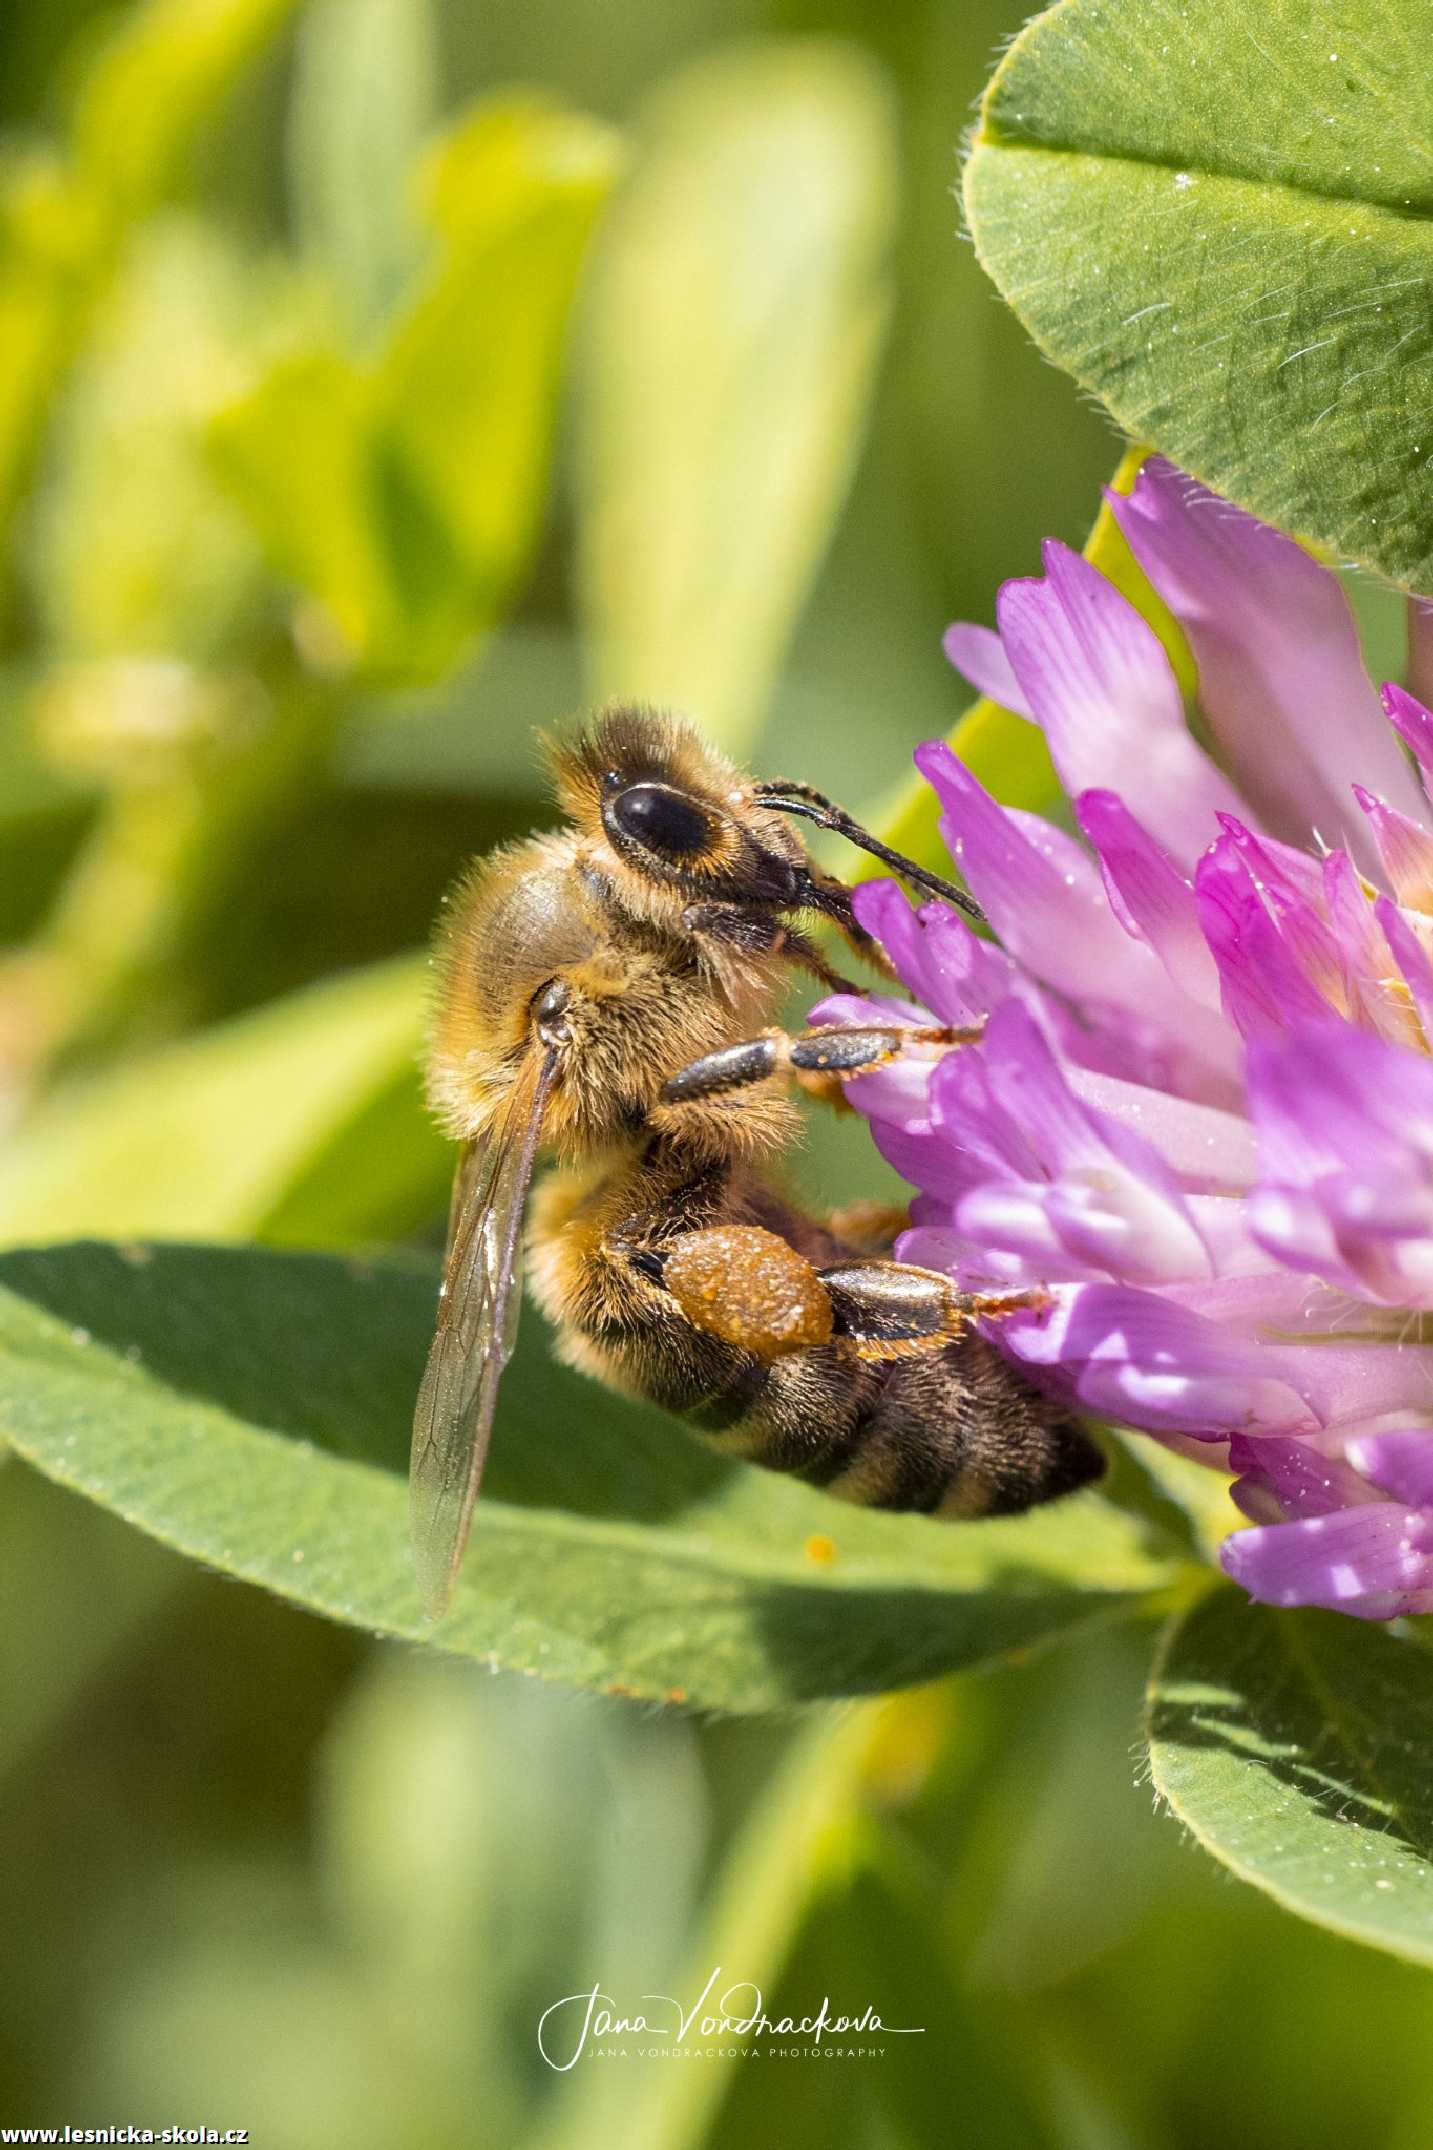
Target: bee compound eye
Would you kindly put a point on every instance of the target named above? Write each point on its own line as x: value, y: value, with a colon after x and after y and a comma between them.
x: 662, y: 821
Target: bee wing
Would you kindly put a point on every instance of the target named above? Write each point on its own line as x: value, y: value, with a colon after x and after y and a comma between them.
x: 478, y: 1313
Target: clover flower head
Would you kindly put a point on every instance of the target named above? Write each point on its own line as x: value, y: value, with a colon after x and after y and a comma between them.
x: 1201, y: 1110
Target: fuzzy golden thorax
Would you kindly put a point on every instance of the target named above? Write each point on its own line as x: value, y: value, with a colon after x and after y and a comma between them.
x: 530, y: 928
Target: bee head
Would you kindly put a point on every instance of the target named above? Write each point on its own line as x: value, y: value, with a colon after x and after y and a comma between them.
x: 671, y: 821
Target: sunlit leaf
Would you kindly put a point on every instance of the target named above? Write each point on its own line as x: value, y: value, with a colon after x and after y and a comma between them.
x: 402, y: 490
x: 302, y: 1120
x: 736, y: 311
x: 468, y: 383
x: 1295, y: 1745
x: 296, y: 453
x: 133, y: 545
x: 1225, y: 236
x: 148, y: 94
x: 365, y: 88
x: 142, y: 100
x: 253, y: 1409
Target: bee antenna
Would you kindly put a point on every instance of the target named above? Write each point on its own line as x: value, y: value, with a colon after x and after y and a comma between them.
x: 800, y: 799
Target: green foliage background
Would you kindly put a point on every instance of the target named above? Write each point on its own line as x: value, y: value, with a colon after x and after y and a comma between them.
x: 380, y: 380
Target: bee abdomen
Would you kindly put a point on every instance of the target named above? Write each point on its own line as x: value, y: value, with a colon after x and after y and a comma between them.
x: 955, y: 1433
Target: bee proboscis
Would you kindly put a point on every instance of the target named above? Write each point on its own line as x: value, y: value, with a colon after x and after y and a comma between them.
x: 606, y: 993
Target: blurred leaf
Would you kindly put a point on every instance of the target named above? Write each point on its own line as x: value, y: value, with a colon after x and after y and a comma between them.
x: 142, y: 101
x: 1233, y: 256
x: 403, y: 492
x: 42, y: 815
x: 737, y: 308
x: 150, y: 92
x: 474, y: 733
x: 59, y: 1561
x: 1071, y: 1843
x: 760, y: 1898
x: 297, y: 455
x: 304, y: 1115
x: 1295, y: 1745
x: 253, y: 1409
x: 450, y: 1800
x: 1007, y: 753
x: 134, y: 548
x: 364, y: 96
x: 468, y: 383
x: 967, y: 2060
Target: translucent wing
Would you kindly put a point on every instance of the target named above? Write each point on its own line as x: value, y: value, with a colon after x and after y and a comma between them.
x: 477, y: 1328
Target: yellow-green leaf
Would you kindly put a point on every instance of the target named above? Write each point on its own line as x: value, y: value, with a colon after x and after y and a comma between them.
x: 246, y: 1128
x: 253, y: 1409
x: 1220, y: 227
x: 736, y: 312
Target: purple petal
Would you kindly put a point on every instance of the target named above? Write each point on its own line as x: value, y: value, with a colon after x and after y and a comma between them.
x: 1295, y: 1227
x: 1412, y: 722
x: 1349, y: 1385
x: 1010, y: 1219
x: 1278, y: 870
x: 1148, y: 1361
x: 1374, y: 1562
x: 1412, y: 960
x: 1265, y: 990
x: 971, y: 1115
x: 1281, y: 678
x: 1209, y: 1149
x: 1102, y: 689
x: 1334, y: 1098
x: 924, y: 1158
x: 1066, y: 1182
x: 974, y: 1267
x: 864, y: 1011
x: 979, y: 656
x: 1148, y: 894
x: 1400, y: 1462
x: 1374, y: 994
x: 1124, y: 1228
x: 1045, y: 898
x: 1048, y: 907
x: 958, y: 976
x: 1301, y: 1480
x: 1405, y: 847
x: 1313, y: 1339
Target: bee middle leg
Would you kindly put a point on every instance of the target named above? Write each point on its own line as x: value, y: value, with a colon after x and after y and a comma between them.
x: 818, y: 1060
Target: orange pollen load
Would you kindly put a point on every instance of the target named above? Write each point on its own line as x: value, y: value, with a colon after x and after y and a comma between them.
x: 750, y: 1289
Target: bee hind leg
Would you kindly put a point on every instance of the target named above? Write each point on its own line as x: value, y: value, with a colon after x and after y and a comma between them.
x: 751, y: 1288
x: 894, y: 1310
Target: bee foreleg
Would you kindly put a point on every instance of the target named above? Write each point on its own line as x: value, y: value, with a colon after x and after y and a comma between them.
x: 759, y: 933
x: 819, y: 1060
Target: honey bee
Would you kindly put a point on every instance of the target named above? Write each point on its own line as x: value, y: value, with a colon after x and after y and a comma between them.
x: 605, y: 993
